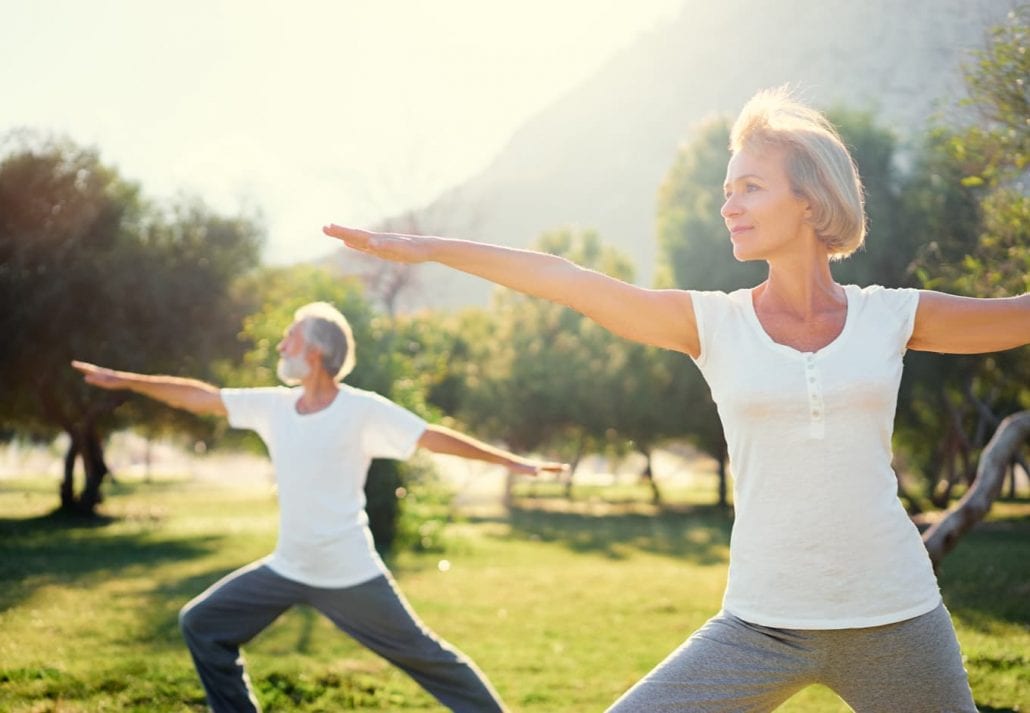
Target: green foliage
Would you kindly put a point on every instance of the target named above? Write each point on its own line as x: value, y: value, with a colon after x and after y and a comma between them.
x: 891, y: 246
x: 90, y: 270
x: 989, y: 158
x: 541, y: 376
x: 968, y: 197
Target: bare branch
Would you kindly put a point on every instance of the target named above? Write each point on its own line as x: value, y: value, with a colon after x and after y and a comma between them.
x: 1003, y: 447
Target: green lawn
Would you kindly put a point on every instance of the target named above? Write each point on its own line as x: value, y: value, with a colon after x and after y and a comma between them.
x: 564, y: 609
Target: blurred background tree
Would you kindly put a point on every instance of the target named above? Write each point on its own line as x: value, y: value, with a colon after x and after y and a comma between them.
x: 970, y: 203
x: 90, y: 270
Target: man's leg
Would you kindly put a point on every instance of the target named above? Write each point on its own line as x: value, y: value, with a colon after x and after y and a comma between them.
x: 726, y: 666
x: 913, y: 666
x: 228, y: 614
x: 376, y: 614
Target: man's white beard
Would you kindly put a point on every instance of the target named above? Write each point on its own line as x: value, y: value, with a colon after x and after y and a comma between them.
x: 292, y: 369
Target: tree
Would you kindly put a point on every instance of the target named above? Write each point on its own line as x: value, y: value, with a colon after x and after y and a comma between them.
x: 92, y: 271
x: 542, y: 376
x: 1003, y: 448
x: 979, y: 225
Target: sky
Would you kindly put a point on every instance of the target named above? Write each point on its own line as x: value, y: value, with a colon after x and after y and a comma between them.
x: 310, y: 111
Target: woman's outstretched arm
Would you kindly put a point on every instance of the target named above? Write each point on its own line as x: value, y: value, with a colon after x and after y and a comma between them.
x: 950, y: 324
x: 663, y: 318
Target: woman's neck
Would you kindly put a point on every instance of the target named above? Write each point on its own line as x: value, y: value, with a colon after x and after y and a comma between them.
x: 802, y: 287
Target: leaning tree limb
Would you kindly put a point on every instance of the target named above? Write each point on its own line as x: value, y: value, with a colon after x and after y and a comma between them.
x: 999, y: 452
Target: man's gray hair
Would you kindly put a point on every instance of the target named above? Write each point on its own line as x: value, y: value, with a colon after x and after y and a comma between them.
x: 328, y: 331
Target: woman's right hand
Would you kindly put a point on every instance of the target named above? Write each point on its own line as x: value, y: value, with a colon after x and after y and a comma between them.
x: 387, y: 246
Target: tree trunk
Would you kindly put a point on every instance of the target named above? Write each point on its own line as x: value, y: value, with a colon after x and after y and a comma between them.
x: 79, y: 421
x: 86, y: 444
x: 912, y: 505
x: 1003, y: 447
x: 723, y: 502
x: 67, y: 488
x: 96, y: 468
x: 580, y: 447
x: 648, y: 475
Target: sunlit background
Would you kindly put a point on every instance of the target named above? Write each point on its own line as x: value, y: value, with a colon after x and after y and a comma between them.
x: 310, y: 112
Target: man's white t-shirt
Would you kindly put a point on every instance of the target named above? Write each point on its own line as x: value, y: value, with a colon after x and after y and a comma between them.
x: 820, y: 539
x: 321, y: 461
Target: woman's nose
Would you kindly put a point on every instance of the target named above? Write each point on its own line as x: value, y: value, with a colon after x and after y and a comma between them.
x: 729, y: 207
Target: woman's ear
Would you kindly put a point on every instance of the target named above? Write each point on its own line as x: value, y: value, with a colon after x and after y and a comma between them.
x: 808, y: 213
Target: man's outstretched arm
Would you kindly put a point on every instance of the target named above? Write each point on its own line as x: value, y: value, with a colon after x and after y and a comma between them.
x: 444, y: 440
x: 187, y: 394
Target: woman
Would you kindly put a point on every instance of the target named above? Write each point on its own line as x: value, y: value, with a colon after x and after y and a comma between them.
x: 828, y: 579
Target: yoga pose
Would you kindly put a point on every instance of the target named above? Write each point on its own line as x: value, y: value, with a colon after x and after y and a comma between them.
x: 828, y: 581
x: 321, y: 438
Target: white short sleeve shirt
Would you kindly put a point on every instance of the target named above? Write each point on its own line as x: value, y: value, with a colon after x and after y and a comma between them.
x: 820, y: 539
x: 321, y: 461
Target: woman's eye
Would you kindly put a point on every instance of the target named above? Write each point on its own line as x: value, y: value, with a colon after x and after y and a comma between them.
x: 751, y: 187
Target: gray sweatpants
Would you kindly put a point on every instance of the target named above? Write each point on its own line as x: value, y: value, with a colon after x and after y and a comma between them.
x: 731, y: 666
x: 239, y: 606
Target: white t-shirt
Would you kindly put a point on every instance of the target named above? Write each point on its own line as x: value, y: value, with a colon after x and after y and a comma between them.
x: 321, y: 461
x: 820, y: 539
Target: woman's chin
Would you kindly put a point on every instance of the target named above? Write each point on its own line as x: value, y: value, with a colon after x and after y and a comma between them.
x: 741, y: 254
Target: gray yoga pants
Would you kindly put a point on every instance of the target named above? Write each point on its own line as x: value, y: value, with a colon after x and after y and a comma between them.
x: 239, y: 606
x: 729, y: 665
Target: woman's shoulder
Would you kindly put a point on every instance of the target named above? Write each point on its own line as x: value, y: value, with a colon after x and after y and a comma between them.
x: 721, y: 298
x: 877, y: 300
x: 881, y: 293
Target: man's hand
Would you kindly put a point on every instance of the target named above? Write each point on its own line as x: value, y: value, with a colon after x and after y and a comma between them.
x: 539, y: 467
x: 100, y: 376
x: 186, y: 394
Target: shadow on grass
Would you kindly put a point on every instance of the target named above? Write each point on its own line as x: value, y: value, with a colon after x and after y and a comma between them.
x: 58, y: 548
x: 986, y: 578
x: 697, y: 534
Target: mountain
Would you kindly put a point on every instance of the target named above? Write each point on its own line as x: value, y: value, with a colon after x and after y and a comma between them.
x: 596, y: 157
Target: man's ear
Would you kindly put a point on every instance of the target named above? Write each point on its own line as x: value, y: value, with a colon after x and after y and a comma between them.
x: 313, y: 356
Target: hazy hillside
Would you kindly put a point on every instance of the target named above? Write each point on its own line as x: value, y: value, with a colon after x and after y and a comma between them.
x: 596, y: 157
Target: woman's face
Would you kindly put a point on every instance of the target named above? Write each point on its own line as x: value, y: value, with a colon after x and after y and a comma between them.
x: 764, y: 216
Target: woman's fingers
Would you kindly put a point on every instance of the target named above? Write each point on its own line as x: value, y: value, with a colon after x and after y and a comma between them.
x: 400, y: 248
x: 353, y: 238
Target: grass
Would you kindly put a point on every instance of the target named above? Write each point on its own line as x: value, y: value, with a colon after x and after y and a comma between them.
x: 564, y: 608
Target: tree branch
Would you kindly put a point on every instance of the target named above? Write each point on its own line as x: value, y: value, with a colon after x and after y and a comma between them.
x: 1013, y: 432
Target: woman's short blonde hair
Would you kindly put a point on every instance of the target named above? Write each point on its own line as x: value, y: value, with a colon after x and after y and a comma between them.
x: 819, y: 166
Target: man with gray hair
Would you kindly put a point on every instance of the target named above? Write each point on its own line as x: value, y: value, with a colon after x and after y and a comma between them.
x: 321, y: 436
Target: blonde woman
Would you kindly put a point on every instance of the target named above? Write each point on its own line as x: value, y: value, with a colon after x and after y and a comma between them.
x: 828, y: 579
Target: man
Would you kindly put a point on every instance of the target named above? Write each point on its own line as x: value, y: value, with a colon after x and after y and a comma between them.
x: 321, y: 437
